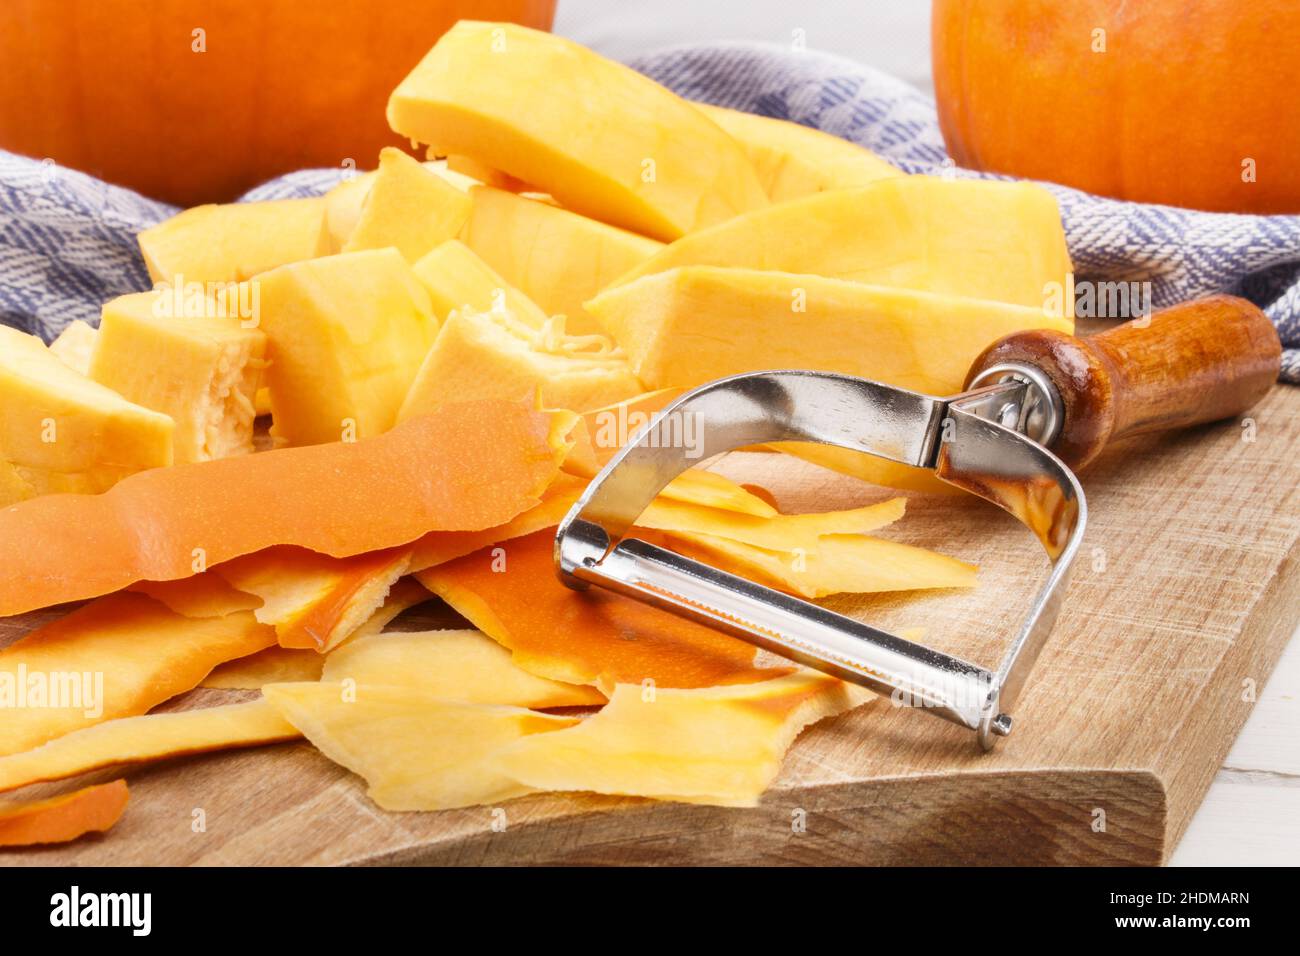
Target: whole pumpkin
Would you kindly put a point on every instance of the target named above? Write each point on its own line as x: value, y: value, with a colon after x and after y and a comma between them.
x: 1185, y: 102
x: 197, y: 100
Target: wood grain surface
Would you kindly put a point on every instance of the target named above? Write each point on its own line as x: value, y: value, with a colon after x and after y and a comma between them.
x: 1187, y: 589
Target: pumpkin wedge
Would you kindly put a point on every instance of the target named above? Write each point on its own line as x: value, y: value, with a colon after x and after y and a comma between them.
x: 343, y: 202
x: 470, y: 466
x: 235, y: 241
x: 116, y: 657
x: 793, y: 160
x: 601, y: 138
x: 715, y: 745
x: 456, y: 278
x: 146, y: 738
x: 493, y: 355
x: 558, y: 258
x: 61, y: 431
x: 511, y: 593
x: 63, y: 818
x: 201, y: 372
x: 693, y: 324
x: 347, y: 334
x: 416, y: 752
x: 962, y: 237
x: 407, y: 207
x: 454, y: 664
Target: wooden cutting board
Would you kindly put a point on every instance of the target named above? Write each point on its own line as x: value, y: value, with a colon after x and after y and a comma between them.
x: 1187, y: 589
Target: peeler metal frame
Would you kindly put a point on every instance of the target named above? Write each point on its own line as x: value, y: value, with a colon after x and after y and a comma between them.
x: 989, y: 440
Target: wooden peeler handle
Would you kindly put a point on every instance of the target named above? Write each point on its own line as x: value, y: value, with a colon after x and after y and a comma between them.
x: 1197, y: 362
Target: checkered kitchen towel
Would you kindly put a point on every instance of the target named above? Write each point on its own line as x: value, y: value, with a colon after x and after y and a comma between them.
x: 67, y: 241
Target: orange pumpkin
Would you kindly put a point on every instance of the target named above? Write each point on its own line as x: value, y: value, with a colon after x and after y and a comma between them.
x: 196, y: 101
x: 1165, y: 101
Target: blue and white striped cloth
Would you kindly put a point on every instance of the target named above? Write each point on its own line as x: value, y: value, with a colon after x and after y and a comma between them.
x: 67, y: 241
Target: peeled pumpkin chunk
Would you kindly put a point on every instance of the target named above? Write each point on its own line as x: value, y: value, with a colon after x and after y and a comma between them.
x: 961, y: 237
x: 492, y: 355
x: 236, y: 241
x: 407, y: 207
x: 416, y: 751
x: 74, y: 345
x: 453, y: 664
x: 314, y: 600
x: 63, y: 818
x: 456, y: 278
x: 115, y: 657
x: 601, y: 138
x: 470, y: 466
x: 61, y: 431
x: 145, y: 738
x: 558, y: 258
x: 344, y: 201
x: 693, y: 324
x: 347, y: 334
x: 202, y: 372
x: 793, y: 160
x: 714, y: 745
x: 595, y: 637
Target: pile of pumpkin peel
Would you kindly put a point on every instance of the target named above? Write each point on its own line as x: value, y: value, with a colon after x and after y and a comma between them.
x: 330, y: 410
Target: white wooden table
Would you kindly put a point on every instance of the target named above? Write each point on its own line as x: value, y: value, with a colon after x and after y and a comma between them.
x: 1251, y: 815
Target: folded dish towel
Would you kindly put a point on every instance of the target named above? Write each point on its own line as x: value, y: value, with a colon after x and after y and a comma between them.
x: 67, y: 241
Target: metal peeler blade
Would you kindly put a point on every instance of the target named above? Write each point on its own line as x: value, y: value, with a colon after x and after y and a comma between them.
x: 985, y: 441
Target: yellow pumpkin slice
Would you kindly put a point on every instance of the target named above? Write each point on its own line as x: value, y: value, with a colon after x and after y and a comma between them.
x: 145, y: 738
x: 63, y: 818
x: 601, y: 138
x: 407, y: 207
x: 512, y: 594
x: 62, y: 431
x: 234, y: 242
x: 961, y: 237
x: 456, y: 665
x: 715, y: 745
x: 854, y: 563
x: 415, y: 751
x: 279, y: 664
x: 693, y: 324
x: 314, y: 600
x: 347, y: 334
x: 118, y: 656
x: 456, y: 278
x: 556, y: 257
x: 793, y: 160
x: 802, y: 532
x: 273, y: 665
x: 74, y: 345
x: 204, y: 595
x: 471, y: 466
x: 491, y: 355
x: 202, y: 372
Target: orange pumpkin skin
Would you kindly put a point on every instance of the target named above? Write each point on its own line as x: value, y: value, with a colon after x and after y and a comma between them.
x: 117, y: 88
x: 1183, y: 97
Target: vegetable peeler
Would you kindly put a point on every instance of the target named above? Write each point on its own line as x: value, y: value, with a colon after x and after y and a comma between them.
x: 1038, y: 405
